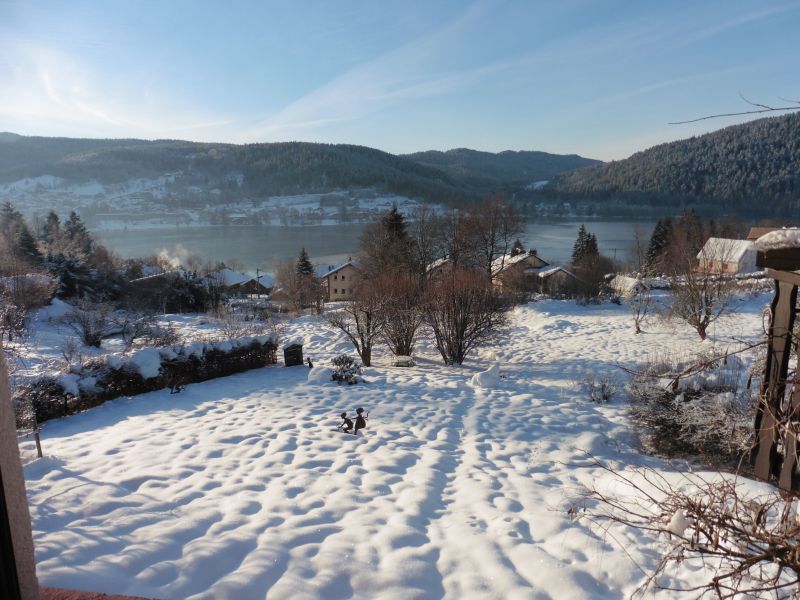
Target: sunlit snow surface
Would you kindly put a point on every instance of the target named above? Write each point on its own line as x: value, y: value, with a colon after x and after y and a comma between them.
x: 239, y: 488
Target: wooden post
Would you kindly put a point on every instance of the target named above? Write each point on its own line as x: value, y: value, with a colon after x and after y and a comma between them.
x: 773, y: 386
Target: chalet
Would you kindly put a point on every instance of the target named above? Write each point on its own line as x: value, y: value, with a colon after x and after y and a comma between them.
x: 339, y: 283
x: 524, y: 264
x: 527, y: 272
x: 723, y: 256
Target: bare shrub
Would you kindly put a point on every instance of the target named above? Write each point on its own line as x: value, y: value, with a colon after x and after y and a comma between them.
x: 706, y: 413
x: 464, y: 310
x: 159, y: 335
x: 12, y: 319
x: 71, y: 351
x: 600, y: 388
x: 346, y: 369
x: 640, y: 302
x: 700, y: 295
x: 90, y: 321
x: 402, y: 295
x: 232, y: 325
x: 362, y: 320
x: 746, y: 538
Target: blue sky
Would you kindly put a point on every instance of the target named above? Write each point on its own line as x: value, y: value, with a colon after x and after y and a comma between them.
x: 601, y: 78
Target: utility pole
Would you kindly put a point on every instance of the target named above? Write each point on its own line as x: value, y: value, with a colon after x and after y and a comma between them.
x: 258, y: 281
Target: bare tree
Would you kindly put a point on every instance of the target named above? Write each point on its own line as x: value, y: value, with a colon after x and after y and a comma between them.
x: 402, y: 294
x: 491, y: 228
x: 362, y: 320
x: 463, y: 309
x: 90, y: 321
x: 640, y: 301
x: 427, y: 235
x: 701, y: 293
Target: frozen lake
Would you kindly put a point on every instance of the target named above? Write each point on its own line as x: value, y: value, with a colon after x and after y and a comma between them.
x: 265, y: 246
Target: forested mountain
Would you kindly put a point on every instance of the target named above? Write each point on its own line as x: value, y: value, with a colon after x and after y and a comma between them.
x: 746, y: 164
x: 504, y: 168
x: 275, y: 168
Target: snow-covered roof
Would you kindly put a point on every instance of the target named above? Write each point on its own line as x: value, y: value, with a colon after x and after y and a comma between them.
x: 180, y: 272
x: 627, y: 285
x: 438, y: 263
x: 266, y: 280
x: 293, y: 341
x: 548, y: 271
x: 502, y: 263
x: 779, y: 239
x: 337, y: 269
x: 229, y: 277
x: 725, y: 249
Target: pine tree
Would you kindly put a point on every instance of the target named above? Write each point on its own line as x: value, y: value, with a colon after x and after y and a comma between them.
x: 78, y: 234
x: 394, y: 223
x: 27, y: 245
x: 658, y: 245
x: 517, y: 248
x: 592, y: 251
x: 10, y: 218
x: 304, y: 267
x: 52, y: 227
x: 579, y: 248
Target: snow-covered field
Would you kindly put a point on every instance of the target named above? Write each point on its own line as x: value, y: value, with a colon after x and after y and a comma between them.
x: 238, y: 487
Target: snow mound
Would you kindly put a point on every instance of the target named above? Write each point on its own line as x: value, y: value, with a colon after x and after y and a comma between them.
x: 146, y: 362
x: 487, y: 379
x: 55, y: 310
x: 779, y: 240
x: 319, y: 375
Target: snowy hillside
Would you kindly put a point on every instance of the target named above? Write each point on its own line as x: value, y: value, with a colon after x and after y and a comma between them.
x: 458, y: 488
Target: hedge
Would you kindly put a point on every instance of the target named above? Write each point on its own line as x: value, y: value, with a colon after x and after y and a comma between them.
x: 98, y: 380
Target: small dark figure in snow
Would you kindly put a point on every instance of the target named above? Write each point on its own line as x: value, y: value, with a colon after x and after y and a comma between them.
x: 310, y: 364
x: 361, y: 420
x: 175, y: 387
x: 347, y: 423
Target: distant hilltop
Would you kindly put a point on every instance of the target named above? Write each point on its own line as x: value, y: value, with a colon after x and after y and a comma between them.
x: 756, y: 163
x: 277, y: 168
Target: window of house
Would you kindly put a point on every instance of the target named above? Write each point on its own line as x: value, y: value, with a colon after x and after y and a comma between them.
x: 335, y: 291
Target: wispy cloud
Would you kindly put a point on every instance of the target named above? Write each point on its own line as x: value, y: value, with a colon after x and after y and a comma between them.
x: 45, y: 89
x: 416, y: 70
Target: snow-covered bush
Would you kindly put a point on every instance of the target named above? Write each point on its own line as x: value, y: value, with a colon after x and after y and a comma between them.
x: 146, y: 370
x: 346, y: 369
x: 707, y: 413
x: 600, y: 388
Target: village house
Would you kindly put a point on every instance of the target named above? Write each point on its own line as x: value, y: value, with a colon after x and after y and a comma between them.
x: 527, y: 272
x: 339, y: 283
x: 723, y: 256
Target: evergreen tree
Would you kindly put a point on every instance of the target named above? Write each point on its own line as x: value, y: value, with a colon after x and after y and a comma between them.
x: 394, y: 224
x: 52, y: 228
x: 17, y: 236
x: 592, y: 250
x: 580, y: 246
x: 304, y: 266
x: 77, y: 234
x: 659, y: 242
x: 27, y: 245
x: 517, y: 248
x: 10, y: 218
